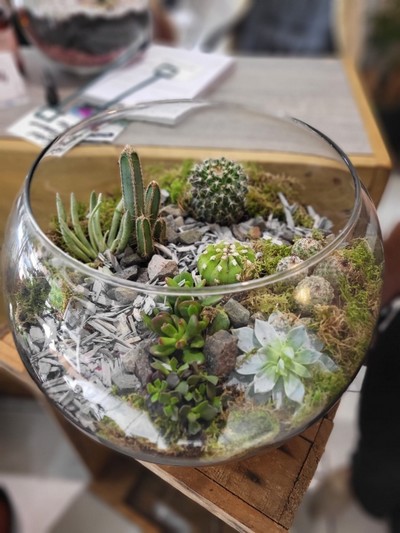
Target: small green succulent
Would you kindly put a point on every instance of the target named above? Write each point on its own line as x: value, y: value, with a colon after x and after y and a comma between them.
x: 177, y: 334
x: 279, y: 359
x: 185, y: 406
x: 218, y: 189
x: 226, y: 262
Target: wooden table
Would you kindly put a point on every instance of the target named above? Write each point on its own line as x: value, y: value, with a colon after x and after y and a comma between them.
x: 260, y: 494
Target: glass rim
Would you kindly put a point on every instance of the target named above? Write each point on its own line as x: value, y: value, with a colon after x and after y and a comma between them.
x: 158, y: 290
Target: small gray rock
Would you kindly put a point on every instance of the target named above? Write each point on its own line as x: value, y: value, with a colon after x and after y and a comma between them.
x: 161, y: 268
x: 179, y: 222
x: 190, y: 236
x: 221, y: 352
x: 143, y: 276
x: 136, y: 361
x: 126, y: 383
x: 122, y: 295
x: 238, y: 315
x: 171, y: 210
x: 171, y: 235
x: 129, y: 273
x: 130, y: 259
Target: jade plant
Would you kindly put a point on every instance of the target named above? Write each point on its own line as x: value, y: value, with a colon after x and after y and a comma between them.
x: 218, y: 190
x: 278, y: 360
x: 226, y: 262
x: 135, y: 217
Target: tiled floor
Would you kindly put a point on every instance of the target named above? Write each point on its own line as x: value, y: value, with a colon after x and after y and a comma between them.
x: 47, y: 481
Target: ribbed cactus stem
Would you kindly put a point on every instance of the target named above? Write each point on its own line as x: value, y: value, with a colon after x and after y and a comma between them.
x: 144, y: 238
x: 160, y: 230
x: 152, y: 202
x: 124, y: 234
x: 132, y: 182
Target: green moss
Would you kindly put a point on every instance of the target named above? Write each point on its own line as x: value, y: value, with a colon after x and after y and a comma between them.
x: 265, y: 301
x: 249, y: 424
x: 302, y: 218
x: 360, y: 290
x: 173, y: 179
x: 262, y: 197
x: 59, y: 295
x: 135, y: 400
x: 270, y: 255
x: 361, y: 257
x: 317, y: 234
x: 31, y: 298
x: 108, y: 429
x: 323, y: 389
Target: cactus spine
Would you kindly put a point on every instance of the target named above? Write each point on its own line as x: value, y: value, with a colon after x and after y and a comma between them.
x: 218, y: 191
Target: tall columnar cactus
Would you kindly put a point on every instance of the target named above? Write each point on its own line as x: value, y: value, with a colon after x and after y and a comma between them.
x: 218, y: 191
x: 226, y: 262
x: 141, y: 205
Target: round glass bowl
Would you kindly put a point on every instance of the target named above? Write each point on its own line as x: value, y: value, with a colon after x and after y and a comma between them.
x: 85, y: 36
x: 177, y: 371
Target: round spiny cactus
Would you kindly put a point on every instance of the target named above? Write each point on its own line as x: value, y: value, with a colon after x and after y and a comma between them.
x: 226, y: 262
x: 218, y: 191
x: 306, y: 247
x: 311, y: 291
x: 289, y: 262
x: 333, y: 269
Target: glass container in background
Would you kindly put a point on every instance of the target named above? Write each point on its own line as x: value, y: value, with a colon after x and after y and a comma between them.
x: 85, y: 36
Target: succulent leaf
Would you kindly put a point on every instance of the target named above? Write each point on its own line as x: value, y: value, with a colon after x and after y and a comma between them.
x: 279, y: 359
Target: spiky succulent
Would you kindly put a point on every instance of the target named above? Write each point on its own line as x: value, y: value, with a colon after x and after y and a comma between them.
x: 289, y: 262
x: 279, y: 359
x: 86, y: 245
x: 333, y: 268
x: 306, y: 247
x: 218, y: 189
x: 226, y: 262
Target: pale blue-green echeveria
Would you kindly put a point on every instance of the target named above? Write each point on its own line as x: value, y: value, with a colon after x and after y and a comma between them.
x: 279, y: 360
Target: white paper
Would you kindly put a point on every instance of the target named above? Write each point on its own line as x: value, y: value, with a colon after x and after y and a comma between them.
x: 12, y: 85
x: 164, y: 73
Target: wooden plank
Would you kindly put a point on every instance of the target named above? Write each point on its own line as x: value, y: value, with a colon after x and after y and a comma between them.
x: 221, y: 502
x: 381, y: 155
x: 264, y: 481
x: 306, y: 474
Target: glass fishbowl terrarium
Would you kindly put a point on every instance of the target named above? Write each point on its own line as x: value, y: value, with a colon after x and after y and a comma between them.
x: 218, y: 305
x: 85, y: 36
